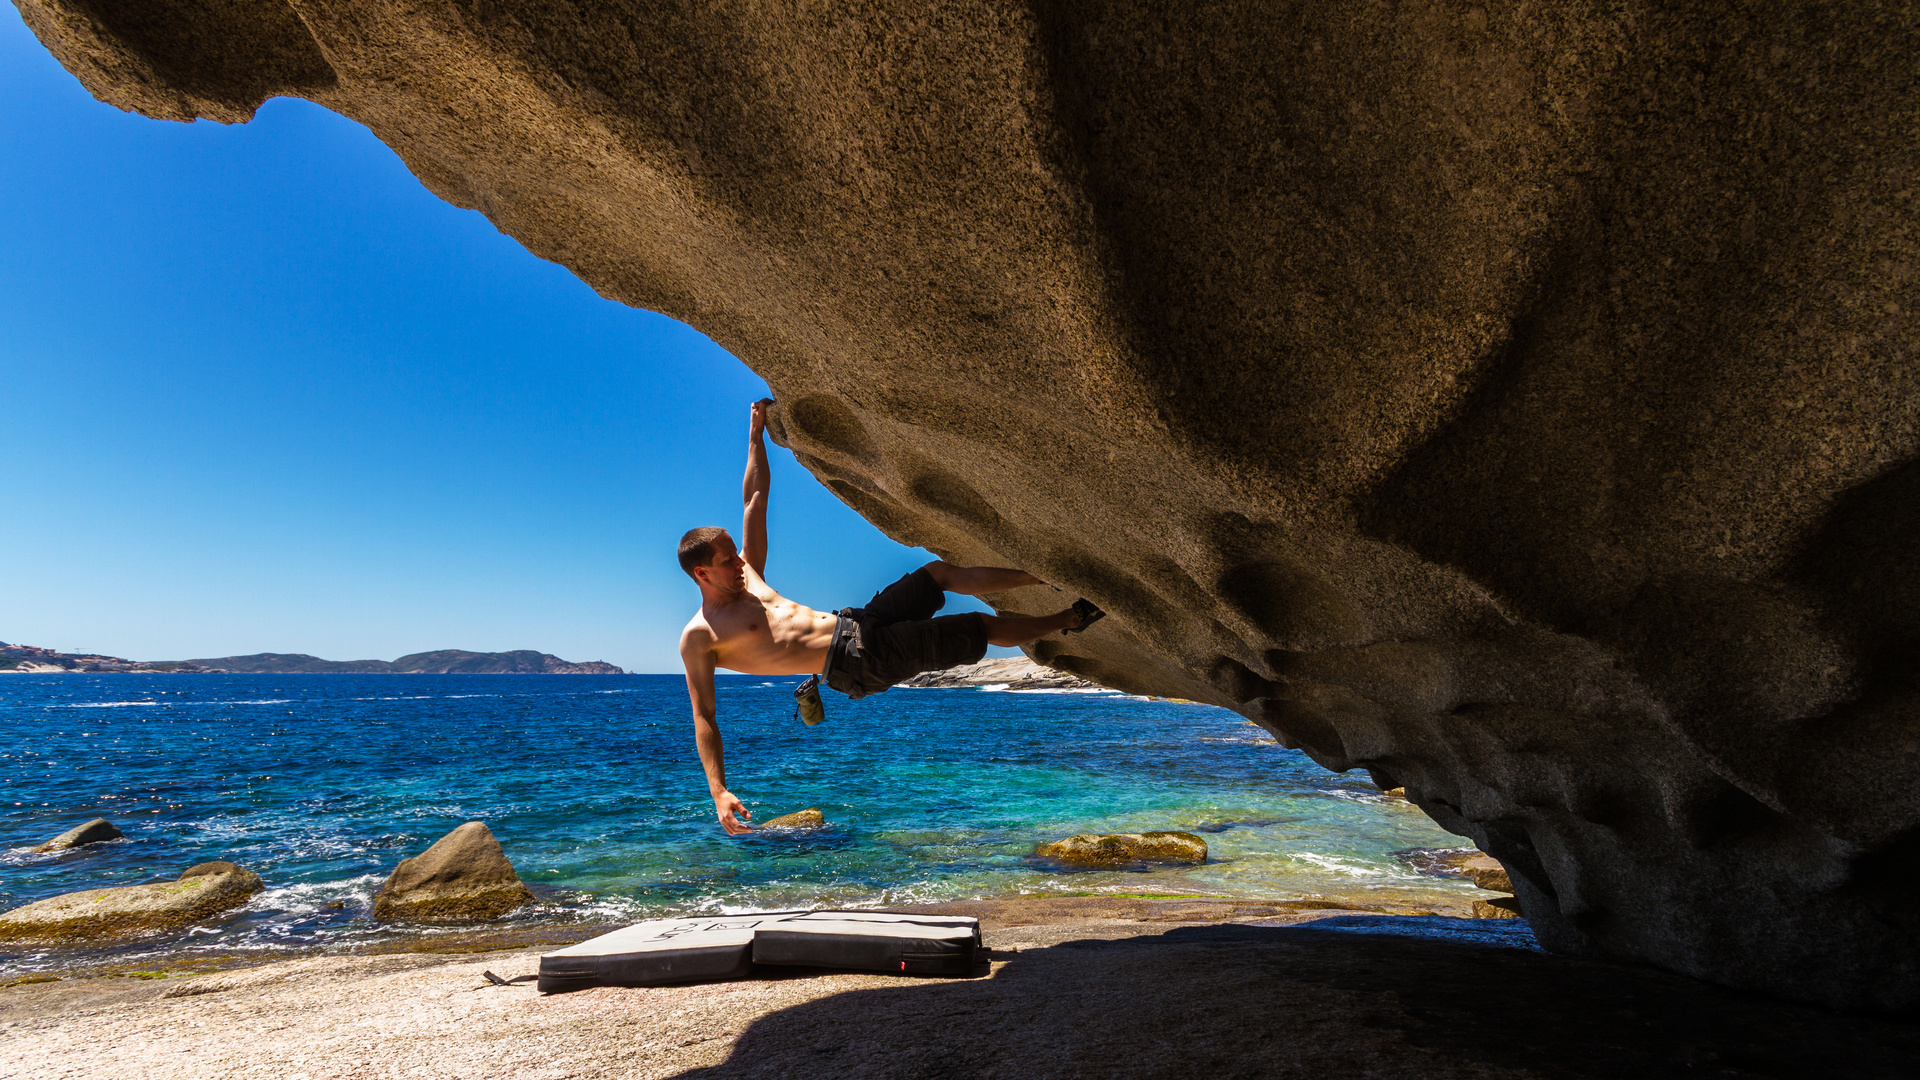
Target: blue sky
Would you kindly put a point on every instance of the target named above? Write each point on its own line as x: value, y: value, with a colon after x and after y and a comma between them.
x: 263, y: 392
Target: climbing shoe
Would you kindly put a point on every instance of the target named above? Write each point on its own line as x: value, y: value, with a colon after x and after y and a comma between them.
x: 1088, y: 616
x: 806, y: 701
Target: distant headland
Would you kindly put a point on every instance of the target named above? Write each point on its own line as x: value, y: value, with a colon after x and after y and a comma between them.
x: 30, y: 659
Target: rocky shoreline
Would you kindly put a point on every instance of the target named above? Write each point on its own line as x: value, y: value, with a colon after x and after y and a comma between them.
x: 459, y: 892
x: 462, y: 894
x: 1006, y: 673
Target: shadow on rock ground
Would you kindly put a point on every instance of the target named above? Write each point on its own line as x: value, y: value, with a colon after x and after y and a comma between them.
x: 1320, y: 1000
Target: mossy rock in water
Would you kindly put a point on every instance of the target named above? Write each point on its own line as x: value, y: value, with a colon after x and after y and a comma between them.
x: 464, y: 876
x: 810, y: 818
x: 132, y: 910
x: 97, y: 831
x: 1121, y: 849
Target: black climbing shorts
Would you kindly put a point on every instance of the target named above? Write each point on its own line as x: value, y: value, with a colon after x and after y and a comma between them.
x: 896, y: 637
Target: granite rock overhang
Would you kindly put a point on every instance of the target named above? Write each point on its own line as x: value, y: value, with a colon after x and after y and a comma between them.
x: 1514, y: 400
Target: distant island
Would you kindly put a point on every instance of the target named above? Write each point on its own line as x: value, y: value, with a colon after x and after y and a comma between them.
x: 29, y: 659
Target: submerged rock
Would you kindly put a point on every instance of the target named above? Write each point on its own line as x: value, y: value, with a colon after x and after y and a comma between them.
x: 810, y: 818
x: 133, y: 910
x: 97, y: 831
x: 1121, y: 849
x: 464, y: 876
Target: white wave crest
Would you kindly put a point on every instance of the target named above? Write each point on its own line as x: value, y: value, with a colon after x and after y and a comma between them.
x: 1336, y: 864
x: 312, y: 896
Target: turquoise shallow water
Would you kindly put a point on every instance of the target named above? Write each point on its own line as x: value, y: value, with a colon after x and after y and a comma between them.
x: 321, y: 783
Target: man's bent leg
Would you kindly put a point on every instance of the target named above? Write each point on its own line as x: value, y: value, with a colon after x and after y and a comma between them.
x: 1020, y: 629
x: 975, y: 580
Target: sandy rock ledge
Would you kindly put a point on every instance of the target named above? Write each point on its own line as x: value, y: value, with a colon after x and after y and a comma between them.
x: 1069, y: 997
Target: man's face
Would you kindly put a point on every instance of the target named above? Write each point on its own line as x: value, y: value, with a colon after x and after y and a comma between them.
x: 727, y: 571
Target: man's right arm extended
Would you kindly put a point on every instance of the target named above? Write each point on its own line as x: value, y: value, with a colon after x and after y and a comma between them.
x: 696, y: 652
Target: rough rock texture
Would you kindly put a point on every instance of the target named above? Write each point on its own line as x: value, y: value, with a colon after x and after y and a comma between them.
x: 810, y: 818
x: 132, y: 910
x: 1119, y: 849
x: 1012, y: 672
x: 97, y: 831
x: 1515, y: 400
x: 463, y: 876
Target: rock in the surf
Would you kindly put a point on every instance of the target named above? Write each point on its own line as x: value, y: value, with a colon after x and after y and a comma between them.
x: 1500, y: 907
x: 810, y: 818
x: 1487, y: 873
x: 133, y: 910
x: 1485, y: 870
x: 97, y: 831
x: 1119, y: 849
x: 464, y: 875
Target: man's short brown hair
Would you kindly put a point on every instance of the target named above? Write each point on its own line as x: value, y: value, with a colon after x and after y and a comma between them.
x: 696, y: 548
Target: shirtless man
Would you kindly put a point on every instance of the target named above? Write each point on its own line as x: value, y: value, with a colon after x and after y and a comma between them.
x: 743, y: 625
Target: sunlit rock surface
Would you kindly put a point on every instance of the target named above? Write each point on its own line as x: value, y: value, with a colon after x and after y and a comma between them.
x: 463, y: 876
x: 1515, y: 400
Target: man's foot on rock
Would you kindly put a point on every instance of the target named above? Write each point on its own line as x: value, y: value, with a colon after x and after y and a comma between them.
x: 1088, y: 616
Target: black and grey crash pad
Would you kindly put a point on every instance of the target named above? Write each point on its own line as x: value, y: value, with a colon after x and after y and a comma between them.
x: 710, y: 949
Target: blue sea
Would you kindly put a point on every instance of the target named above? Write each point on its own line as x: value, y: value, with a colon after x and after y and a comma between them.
x: 321, y: 783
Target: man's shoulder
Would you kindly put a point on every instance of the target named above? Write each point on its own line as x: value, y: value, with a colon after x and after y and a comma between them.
x: 698, y: 632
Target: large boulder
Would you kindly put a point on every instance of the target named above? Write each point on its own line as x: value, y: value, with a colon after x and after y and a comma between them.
x: 464, y: 876
x: 97, y: 831
x: 1513, y: 400
x: 1125, y: 849
x: 132, y: 910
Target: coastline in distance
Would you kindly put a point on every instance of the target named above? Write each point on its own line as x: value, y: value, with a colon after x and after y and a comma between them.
x: 29, y: 660
x: 437, y: 662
